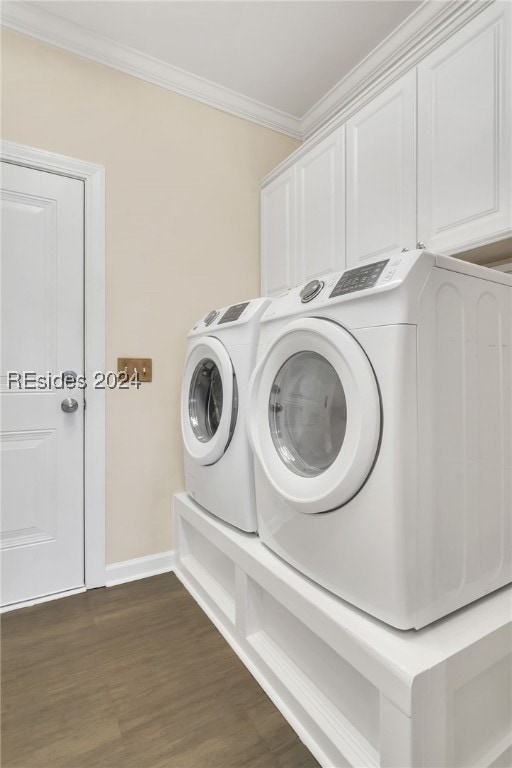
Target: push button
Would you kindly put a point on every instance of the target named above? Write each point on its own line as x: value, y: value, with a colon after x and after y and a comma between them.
x: 389, y: 274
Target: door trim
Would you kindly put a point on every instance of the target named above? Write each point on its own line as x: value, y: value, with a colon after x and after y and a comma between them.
x: 93, y: 177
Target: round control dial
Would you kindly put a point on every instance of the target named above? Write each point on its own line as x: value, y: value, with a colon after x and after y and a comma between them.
x: 311, y: 290
x: 210, y: 317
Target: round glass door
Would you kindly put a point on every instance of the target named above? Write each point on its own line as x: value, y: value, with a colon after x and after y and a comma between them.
x: 205, y: 400
x: 307, y: 414
x: 315, y: 415
x: 209, y: 400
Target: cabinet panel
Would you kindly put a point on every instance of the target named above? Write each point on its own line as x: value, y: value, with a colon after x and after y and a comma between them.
x: 429, y: 159
x: 464, y: 135
x: 278, y: 239
x: 381, y: 179
x: 321, y: 208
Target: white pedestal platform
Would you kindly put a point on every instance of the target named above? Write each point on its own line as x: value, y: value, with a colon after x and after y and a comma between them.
x: 357, y: 692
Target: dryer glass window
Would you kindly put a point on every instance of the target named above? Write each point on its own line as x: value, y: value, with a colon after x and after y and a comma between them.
x: 205, y: 400
x: 307, y: 414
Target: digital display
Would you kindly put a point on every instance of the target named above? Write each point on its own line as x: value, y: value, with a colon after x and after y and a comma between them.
x: 233, y: 313
x: 358, y: 279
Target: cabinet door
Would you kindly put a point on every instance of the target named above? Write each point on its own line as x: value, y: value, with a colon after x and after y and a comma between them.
x: 278, y: 241
x: 321, y: 208
x: 464, y: 136
x: 381, y: 179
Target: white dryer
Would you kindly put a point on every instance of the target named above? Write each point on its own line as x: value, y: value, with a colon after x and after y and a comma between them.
x: 381, y: 419
x: 218, y: 463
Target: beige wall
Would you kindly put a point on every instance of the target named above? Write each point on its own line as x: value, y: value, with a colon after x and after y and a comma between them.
x: 182, y: 236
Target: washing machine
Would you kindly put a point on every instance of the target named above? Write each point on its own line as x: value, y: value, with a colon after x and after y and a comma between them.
x: 220, y: 358
x: 380, y: 418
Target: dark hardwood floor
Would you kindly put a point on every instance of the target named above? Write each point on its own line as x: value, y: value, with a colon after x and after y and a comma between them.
x: 134, y: 675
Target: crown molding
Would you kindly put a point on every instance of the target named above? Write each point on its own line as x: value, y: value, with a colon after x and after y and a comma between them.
x: 318, y: 124
x: 420, y: 33
x: 34, y: 22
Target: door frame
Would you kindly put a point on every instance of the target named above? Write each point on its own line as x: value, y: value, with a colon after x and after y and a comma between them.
x: 93, y: 177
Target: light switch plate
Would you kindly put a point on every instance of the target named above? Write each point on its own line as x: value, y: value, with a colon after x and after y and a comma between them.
x: 140, y: 368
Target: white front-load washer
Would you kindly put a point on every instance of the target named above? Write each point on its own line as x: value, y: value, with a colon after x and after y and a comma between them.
x: 220, y: 358
x: 380, y: 414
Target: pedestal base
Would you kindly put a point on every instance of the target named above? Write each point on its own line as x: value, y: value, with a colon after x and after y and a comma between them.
x: 357, y: 692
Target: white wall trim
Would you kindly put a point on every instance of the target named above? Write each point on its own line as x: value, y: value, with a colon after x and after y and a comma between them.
x: 140, y: 568
x: 35, y: 22
x: 93, y: 177
x: 420, y: 33
x: 42, y: 599
x: 349, y: 96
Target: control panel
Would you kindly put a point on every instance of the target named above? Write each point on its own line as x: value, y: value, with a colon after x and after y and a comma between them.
x: 371, y: 278
x: 359, y: 278
x: 210, y: 317
x: 233, y: 313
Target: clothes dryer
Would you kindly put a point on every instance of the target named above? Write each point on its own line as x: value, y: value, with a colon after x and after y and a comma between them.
x: 380, y: 413
x: 218, y: 463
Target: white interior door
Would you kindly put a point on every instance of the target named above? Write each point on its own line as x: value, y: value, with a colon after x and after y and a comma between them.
x: 42, y: 335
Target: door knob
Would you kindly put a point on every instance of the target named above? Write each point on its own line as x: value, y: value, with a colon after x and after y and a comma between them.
x: 69, y: 405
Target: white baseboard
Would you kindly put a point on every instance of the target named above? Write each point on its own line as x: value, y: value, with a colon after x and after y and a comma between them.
x: 41, y: 599
x: 140, y: 568
x: 116, y: 573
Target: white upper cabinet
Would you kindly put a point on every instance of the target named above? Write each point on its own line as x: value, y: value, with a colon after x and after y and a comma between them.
x: 321, y: 208
x: 381, y: 174
x: 278, y: 234
x: 428, y: 161
x: 464, y: 136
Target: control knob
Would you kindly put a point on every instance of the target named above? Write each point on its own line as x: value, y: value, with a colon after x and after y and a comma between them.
x: 311, y: 290
x: 210, y: 317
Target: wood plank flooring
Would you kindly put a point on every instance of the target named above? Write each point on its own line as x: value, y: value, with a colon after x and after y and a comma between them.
x: 134, y: 675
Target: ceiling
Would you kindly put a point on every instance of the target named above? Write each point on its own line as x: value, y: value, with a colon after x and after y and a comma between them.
x: 278, y: 58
